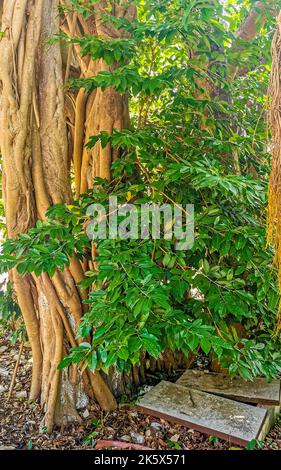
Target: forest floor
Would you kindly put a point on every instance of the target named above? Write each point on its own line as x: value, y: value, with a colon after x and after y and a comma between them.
x: 20, y: 420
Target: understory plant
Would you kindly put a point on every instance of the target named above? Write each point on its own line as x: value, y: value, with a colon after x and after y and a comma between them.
x: 196, y: 88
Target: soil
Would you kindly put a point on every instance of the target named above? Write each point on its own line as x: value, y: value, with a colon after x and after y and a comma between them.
x: 20, y: 420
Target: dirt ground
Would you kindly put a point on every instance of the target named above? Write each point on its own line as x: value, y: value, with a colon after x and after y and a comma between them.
x: 20, y: 420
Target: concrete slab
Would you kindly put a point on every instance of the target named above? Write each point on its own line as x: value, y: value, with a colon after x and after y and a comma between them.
x: 273, y: 413
x: 233, y: 421
x: 257, y: 391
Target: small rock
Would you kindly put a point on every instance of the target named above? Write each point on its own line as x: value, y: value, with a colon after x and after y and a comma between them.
x: 175, y: 438
x: 172, y: 431
x: 148, y: 433
x: 82, y: 400
x: 2, y: 389
x: 4, y: 372
x: 31, y: 423
x: 7, y: 448
x: 85, y: 414
x: 22, y: 359
x: 137, y: 438
x: 145, y: 389
x: 156, y: 425
x: 21, y: 394
x: 3, y: 349
x: 126, y: 438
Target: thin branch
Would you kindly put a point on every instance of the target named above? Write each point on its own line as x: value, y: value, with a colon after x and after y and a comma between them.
x: 15, y: 372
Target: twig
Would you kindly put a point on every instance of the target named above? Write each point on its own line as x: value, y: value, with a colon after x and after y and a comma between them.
x: 15, y: 371
x: 70, y: 49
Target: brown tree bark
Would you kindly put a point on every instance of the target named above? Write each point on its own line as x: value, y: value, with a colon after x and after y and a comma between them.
x: 256, y: 19
x: 36, y: 145
x: 99, y: 110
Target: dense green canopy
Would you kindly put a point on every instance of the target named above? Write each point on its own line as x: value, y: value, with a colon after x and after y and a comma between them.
x: 196, y: 74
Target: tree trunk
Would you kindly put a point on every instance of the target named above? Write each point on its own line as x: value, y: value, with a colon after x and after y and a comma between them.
x: 36, y: 144
x: 274, y: 195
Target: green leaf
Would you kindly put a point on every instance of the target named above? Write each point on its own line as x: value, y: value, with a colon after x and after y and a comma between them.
x: 134, y: 344
x: 205, y: 345
x: 93, y: 361
x: 111, y: 359
x: 65, y: 362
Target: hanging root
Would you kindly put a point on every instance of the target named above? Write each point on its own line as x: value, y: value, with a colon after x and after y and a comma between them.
x: 274, y: 119
x: 15, y: 372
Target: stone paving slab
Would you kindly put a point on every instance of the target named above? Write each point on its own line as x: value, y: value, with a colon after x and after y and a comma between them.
x: 233, y: 421
x: 258, y: 391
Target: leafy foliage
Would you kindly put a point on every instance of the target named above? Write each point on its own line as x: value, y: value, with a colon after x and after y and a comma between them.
x: 10, y: 318
x: 194, y: 121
